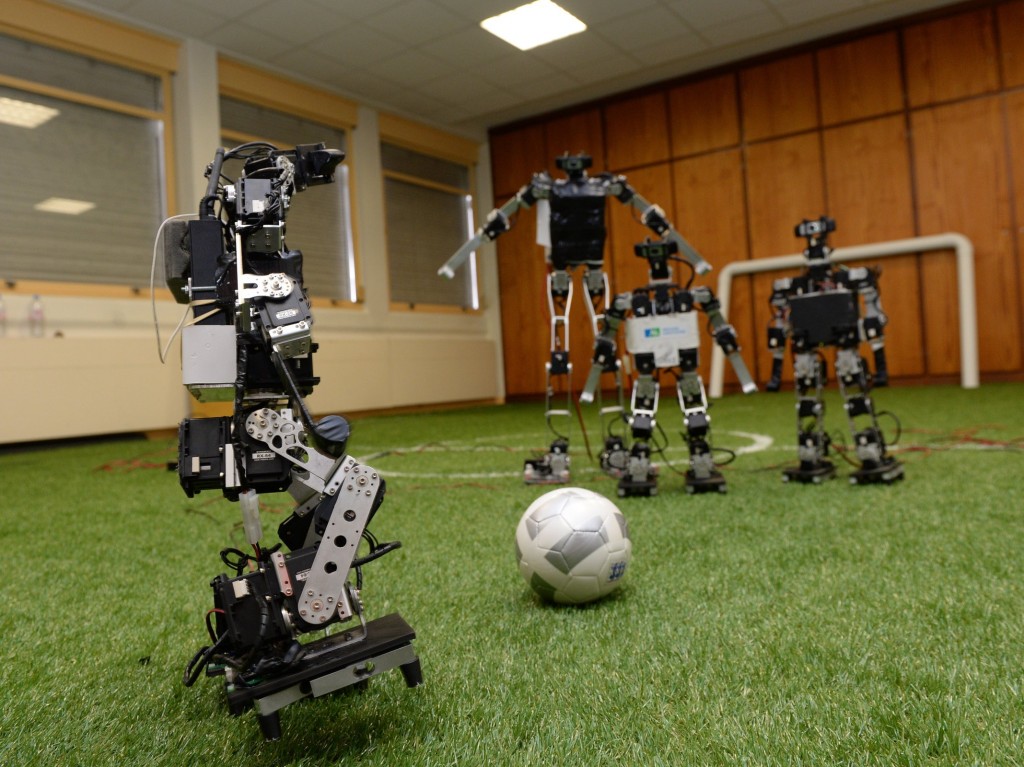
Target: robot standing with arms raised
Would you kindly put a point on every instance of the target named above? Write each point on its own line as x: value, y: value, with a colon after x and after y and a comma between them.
x: 571, y: 226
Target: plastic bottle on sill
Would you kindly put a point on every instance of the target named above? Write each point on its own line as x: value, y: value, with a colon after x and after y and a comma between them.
x: 36, y: 318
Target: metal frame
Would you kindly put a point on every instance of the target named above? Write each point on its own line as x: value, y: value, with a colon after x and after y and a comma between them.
x: 937, y: 243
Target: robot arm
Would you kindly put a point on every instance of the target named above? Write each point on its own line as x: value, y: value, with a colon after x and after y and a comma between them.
x: 725, y: 336
x: 498, y: 222
x: 865, y: 281
x: 604, y: 345
x: 653, y: 217
x: 778, y: 331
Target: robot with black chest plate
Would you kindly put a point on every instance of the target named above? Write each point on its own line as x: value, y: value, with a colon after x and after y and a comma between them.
x: 250, y: 344
x: 822, y: 308
x: 662, y: 334
x: 571, y: 226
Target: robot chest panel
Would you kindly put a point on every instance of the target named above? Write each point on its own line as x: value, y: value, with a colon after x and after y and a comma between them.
x: 663, y: 335
x: 827, y: 318
x: 577, y: 224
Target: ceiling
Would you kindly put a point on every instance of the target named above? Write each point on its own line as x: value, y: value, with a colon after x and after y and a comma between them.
x: 430, y: 60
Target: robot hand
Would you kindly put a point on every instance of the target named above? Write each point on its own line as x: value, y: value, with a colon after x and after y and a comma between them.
x: 498, y: 222
x: 604, y: 346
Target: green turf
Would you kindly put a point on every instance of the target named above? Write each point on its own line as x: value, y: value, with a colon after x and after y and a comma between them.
x: 775, y: 625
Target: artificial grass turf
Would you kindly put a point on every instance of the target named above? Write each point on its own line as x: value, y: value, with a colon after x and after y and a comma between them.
x: 776, y: 624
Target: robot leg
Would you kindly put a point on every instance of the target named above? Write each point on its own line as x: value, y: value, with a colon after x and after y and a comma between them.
x: 702, y: 476
x: 637, y: 474
x: 603, y: 319
x: 812, y: 441
x: 553, y: 467
x: 876, y: 465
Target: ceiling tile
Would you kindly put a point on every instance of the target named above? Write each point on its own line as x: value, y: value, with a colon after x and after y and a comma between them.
x: 802, y: 11
x: 357, y: 45
x: 237, y: 38
x: 467, y: 47
x: 412, y: 68
x: 416, y: 21
x: 637, y: 30
x: 597, y: 11
x: 705, y: 13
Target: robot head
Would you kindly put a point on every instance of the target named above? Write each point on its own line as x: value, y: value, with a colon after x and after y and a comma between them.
x: 574, y: 165
x: 816, y: 233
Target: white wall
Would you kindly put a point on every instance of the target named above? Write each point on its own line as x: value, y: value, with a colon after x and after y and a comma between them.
x: 97, y: 371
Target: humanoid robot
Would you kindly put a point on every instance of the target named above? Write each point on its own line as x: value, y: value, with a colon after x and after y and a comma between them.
x: 662, y: 334
x: 249, y: 343
x: 571, y: 226
x: 818, y: 309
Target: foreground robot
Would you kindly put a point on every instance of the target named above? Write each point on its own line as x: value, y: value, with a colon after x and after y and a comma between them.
x: 821, y: 308
x: 571, y: 225
x: 249, y: 343
x: 662, y: 334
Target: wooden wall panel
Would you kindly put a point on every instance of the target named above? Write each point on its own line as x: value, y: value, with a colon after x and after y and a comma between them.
x: 861, y: 78
x: 867, y: 166
x: 515, y: 156
x: 637, y: 130
x: 704, y: 115
x: 710, y: 214
x: 951, y: 57
x: 1015, y: 123
x: 1010, y: 18
x: 784, y: 186
x: 779, y: 97
x: 524, y: 310
x: 625, y: 230
x: 915, y: 128
x: 579, y: 132
x: 962, y: 185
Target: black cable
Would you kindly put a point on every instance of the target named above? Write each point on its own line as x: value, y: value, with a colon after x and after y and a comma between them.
x: 693, y: 271
x: 239, y: 559
x: 899, y: 426
x: 200, y: 660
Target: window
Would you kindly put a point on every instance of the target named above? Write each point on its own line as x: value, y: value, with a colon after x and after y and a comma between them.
x: 319, y: 220
x: 428, y: 215
x: 82, y: 158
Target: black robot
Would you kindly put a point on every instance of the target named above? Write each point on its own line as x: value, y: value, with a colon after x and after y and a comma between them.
x: 822, y: 308
x: 571, y: 225
x: 249, y: 343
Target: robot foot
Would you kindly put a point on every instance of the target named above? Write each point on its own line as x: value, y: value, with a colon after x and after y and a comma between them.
x: 886, y: 471
x: 614, y: 458
x: 631, y: 487
x: 810, y: 473
x: 539, y: 471
x: 715, y: 482
x: 551, y: 468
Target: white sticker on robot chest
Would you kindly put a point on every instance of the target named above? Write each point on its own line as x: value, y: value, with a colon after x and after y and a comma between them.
x: 663, y: 335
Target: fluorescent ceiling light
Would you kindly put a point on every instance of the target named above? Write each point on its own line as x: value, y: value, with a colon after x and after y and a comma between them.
x: 64, y: 205
x: 533, y: 24
x: 25, y: 114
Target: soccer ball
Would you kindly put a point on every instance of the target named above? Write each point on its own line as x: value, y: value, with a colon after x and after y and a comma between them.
x: 573, y: 546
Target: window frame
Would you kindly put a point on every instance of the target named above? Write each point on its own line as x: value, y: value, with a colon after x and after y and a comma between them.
x: 76, y: 32
x: 441, y: 145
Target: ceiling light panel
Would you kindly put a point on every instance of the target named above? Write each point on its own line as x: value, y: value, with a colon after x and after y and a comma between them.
x: 24, y: 114
x: 533, y: 24
x: 64, y: 205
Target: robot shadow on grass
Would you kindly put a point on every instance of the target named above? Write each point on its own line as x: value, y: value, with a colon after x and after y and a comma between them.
x: 819, y: 309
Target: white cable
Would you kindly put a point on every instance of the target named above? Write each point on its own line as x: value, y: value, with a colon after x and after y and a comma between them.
x: 152, y: 288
